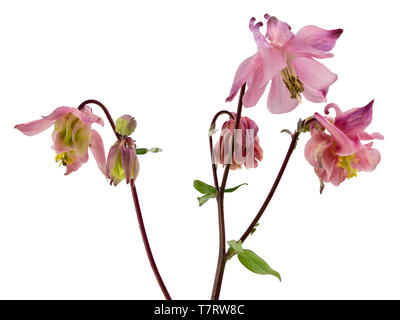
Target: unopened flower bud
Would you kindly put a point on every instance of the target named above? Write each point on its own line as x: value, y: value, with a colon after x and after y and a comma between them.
x: 125, y: 125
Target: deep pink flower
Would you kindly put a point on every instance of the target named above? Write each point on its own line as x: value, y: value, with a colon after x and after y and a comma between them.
x: 247, y: 148
x: 335, y: 149
x: 72, y: 136
x: 122, y: 161
x: 288, y: 60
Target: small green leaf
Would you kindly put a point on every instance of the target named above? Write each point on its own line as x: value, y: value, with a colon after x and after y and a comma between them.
x: 204, y: 188
x: 202, y: 200
x: 236, y: 246
x: 140, y: 151
x: 235, y: 188
x: 254, y: 229
x: 255, y: 264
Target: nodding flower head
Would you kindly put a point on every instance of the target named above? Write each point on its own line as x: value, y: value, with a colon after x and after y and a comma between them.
x: 122, y: 162
x: 335, y: 149
x: 286, y: 59
x: 247, y: 149
x: 72, y: 136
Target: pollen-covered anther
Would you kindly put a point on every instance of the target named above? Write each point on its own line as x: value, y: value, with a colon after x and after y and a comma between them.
x: 292, y: 82
x: 65, y: 158
x: 347, y: 162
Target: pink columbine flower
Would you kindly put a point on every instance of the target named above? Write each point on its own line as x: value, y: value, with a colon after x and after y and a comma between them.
x: 122, y: 162
x: 72, y: 136
x: 288, y: 60
x: 247, y: 149
x: 335, y: 149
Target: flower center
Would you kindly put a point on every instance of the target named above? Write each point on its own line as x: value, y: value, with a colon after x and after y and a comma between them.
x: 65, y: 158
x: 292, y: 82
x: 347, y: 162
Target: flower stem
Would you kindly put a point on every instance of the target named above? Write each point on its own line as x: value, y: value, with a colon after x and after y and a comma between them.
x: 271, y: 193
x: 136, y: 203
x: 103, y: 107
x: 221, y: 215
x: 146, y: 242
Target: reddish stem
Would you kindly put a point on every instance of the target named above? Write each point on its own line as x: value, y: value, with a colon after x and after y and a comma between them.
x: 146, y: 242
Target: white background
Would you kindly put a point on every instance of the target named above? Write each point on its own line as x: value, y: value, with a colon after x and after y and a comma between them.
x: 171, y: 64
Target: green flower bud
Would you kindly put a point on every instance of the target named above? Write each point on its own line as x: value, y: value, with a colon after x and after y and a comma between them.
x: 125, y: 125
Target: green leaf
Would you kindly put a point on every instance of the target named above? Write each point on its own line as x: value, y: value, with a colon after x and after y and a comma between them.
x: 255, y: 264
x: 204, y: 188
x: 202, y: 200
x: 141, y: 151
x: 254, y: 229
x: 235, y: 188
x: 236, y: 246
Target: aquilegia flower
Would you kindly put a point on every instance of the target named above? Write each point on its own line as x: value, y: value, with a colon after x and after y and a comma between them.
x: 122, y: 161
x: 335, y: 149
x: 72, y: 136
x: 288, y: 60
x: 247, y: 149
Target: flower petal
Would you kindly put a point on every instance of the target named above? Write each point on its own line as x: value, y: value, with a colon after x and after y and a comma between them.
x: 128, y: 155
x: 97, y: 148
x: 243, y: 74
x: 314, y: 74
x: 354, y: 121
x: 278, y: 32
x: 87, y: 116
x: 371, y: 136
x: 318, y: 38
x: 368, y: 159
x: 344, y: 145
x: 279, y: 100
x: 34, y: 127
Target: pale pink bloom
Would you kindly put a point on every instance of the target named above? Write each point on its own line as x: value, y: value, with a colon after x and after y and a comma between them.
x: 247, y: 149
x: 122, y: 162
x: 336, y: 150
x: 72, y: 136
x: 288, y: 60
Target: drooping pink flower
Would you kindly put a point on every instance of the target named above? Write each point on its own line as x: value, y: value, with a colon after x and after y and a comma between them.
x: 335, y: 149
x: 247, y: 149
x: 72, y: 136
x: 288, y: 60
x: 122, y: 162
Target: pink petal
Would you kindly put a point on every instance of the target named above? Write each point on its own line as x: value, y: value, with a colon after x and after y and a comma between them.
x: 73, y: 167
x: 112, y: 157
x: 255, y: 88
x: 278, y: 32
x: 128, y: 155
x: 318, y: 38
x: 137, y: 168
x: 314, y: 95
x: 261, y: 41
x: 354, y: 121
x: 34, y: 127
x: 97, y: 148
x: 87, y: 116
x: 314, y: 74
x: 344, y: 145
x: 297, y: 47
x: 370, y: 136
x: 279, y: 100
x: 368, y: 159
x: 243, y: 74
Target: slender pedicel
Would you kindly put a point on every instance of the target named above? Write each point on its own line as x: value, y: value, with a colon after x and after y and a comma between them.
x: 221, y: 219
x: 136, y: 203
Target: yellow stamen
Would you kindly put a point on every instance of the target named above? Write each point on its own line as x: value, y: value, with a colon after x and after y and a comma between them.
x: 347, y: 162
x: 292, y: 82
x: 65, y: 158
